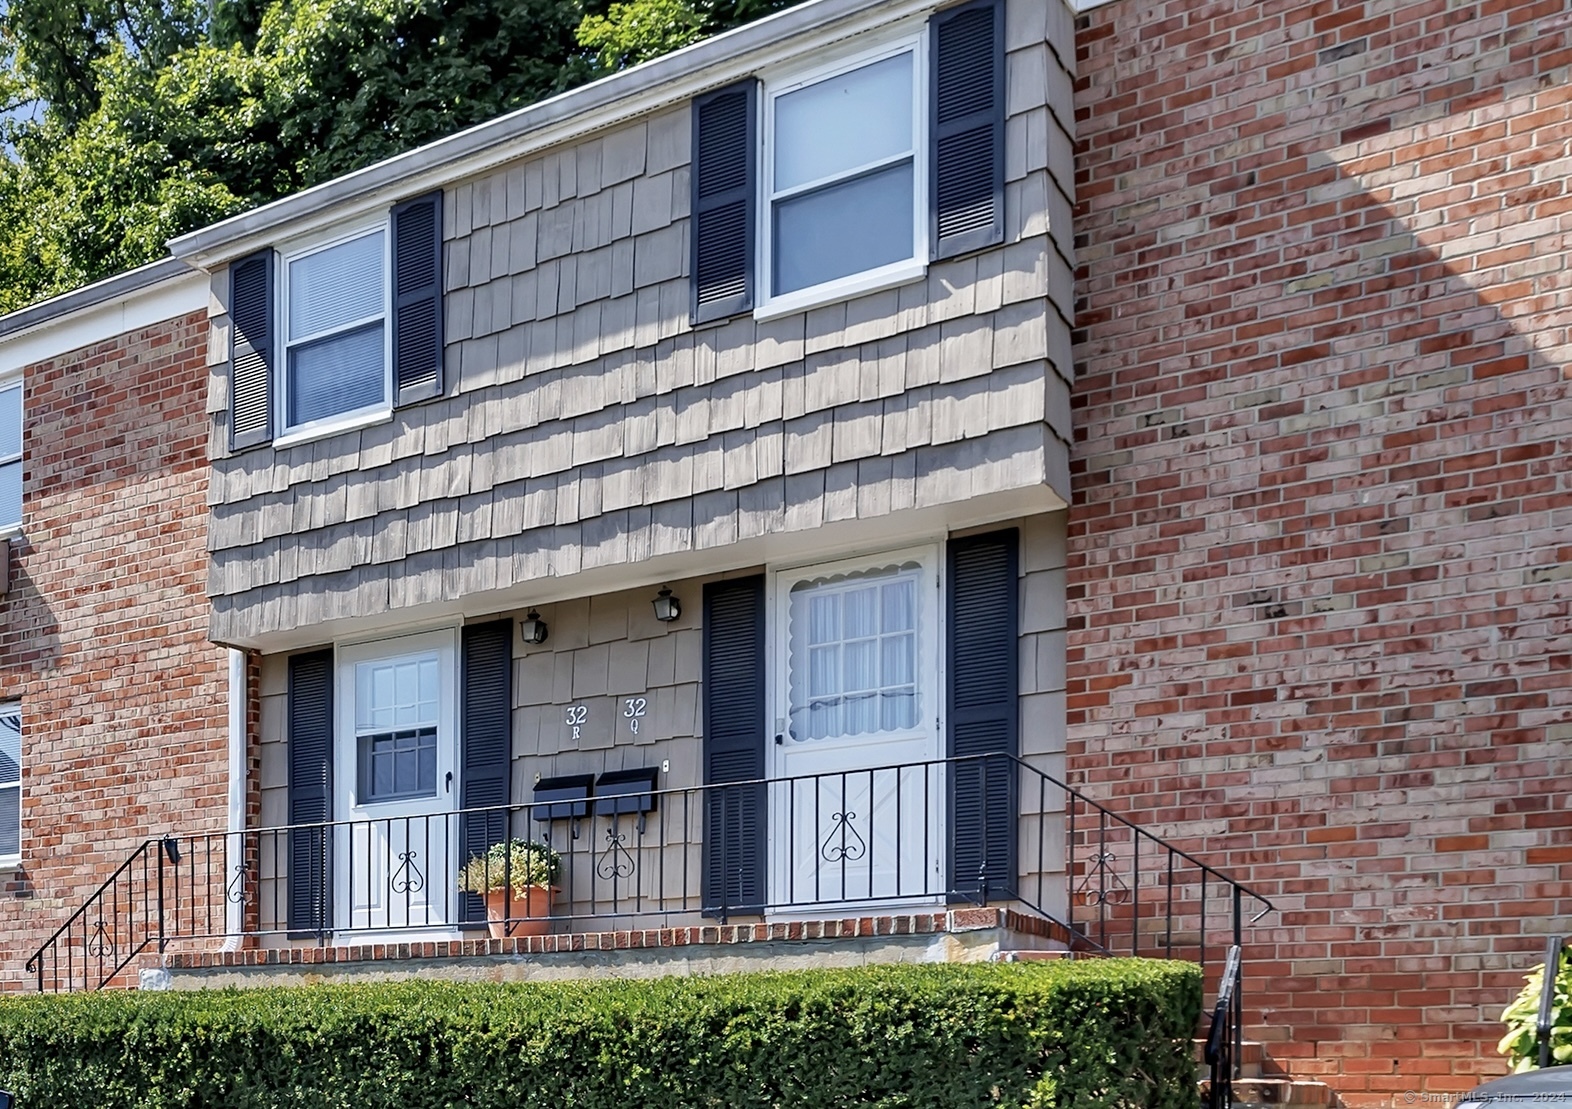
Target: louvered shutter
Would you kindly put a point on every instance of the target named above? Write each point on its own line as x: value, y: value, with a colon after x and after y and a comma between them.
x: 983, y: 716
x: 417, y: 299
x: 734, y: 729
x: 722, y: 183
x: 966, y: 208
x: 486, y: 740
x: 251, y: 351
x: 310, y: 790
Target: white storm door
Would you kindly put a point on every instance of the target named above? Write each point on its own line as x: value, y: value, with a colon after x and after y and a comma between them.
x: 855, y: 804
x: 395, y: 762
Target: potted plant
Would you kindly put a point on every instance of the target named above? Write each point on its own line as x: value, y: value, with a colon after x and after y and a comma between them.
x: 518, y: 878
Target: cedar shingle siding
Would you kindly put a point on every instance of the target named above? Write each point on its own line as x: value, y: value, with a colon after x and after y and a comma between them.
x: 586, y: 422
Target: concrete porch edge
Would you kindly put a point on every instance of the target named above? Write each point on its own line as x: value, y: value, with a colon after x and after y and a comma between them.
x: 957, y: 935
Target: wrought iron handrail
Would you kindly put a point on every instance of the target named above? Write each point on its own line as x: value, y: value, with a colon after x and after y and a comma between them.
x: 1544, y: 1023
x: 1224, y: 1040
x: 106, y: 914
x: 874, y: 837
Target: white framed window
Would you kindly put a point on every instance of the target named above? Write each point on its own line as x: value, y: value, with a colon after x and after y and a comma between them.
x: 857, y: 648
x: 336, y: 360
x: 10, y: 454
x: 398, y: 709
x: 10, y: 784
x: 844, y: 177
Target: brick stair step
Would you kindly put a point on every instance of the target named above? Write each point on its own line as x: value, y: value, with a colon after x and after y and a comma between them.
x: 1251, y: 1052
x: 1277, y: 1091
x: 1029, y: 956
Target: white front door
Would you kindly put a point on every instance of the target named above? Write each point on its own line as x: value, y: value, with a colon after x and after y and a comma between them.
x: 855, y: 810
x: 394, y: 769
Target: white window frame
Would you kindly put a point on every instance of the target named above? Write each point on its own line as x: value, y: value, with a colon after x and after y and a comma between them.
x: 12, y: 861
x: 359, y: 417
x: 868, y: 281
x: 9, y: 528
x: 932, y: 640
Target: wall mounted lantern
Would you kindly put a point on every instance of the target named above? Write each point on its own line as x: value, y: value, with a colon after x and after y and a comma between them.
x: 533, y: 629
x: 667, y: 607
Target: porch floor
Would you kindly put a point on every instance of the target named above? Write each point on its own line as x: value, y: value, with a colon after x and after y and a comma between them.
x: 957, y: 935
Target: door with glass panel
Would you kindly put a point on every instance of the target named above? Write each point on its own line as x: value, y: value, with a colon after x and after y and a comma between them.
x: 394, y: 766
x: 855, y: 804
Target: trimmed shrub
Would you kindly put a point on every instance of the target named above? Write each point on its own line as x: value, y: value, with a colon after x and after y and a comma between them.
x: 1521, y: 1043
x: 1110, y: 1033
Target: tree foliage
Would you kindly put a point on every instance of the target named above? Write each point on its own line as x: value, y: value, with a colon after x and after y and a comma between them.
x: 133, y: 121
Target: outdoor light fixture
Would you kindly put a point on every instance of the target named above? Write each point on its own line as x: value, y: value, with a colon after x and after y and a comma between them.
x: 533, y: 629
x: 172, y: 850
x: 667, y: 607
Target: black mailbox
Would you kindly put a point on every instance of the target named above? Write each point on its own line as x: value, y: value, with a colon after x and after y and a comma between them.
x: 626, y: 791
x: 565, y: 797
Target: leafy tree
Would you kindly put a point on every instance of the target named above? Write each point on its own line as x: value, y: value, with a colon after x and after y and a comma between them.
x: 155, y: 117
x: 638, y: 30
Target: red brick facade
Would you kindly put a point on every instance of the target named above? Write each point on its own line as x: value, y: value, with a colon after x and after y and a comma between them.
x: 1321, y: 546
x: 103, y: 635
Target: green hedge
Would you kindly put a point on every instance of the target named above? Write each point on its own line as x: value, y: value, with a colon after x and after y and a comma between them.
x: 1088, y: 1033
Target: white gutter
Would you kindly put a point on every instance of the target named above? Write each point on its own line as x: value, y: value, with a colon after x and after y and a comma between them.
x: 235, y: 842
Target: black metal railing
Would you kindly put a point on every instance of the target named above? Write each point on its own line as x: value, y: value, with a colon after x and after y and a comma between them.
x: 1225, y: 1038
x: 971, y: 830
x: 1544, y: 1023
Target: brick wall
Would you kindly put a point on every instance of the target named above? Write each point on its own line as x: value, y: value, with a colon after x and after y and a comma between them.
x: 103, y: 635
x: 1320, y: 567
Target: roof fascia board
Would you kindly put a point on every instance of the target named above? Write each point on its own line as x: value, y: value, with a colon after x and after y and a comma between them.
x: 570, y: 116
x: 95, y: 313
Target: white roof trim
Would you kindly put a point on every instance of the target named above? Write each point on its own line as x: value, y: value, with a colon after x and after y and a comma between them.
x: 99, y: 312
x: 672, y: 78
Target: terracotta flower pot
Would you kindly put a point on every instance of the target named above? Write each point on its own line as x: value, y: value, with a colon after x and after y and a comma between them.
x: 534, y: 904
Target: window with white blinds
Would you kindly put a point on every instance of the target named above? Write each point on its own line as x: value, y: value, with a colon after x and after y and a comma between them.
x: 10, y: 783
x: 335, y: 331
x: 11, y: 454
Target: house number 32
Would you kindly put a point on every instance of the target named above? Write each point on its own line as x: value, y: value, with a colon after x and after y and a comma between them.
x: 633, y: 712
x: 576, y: 716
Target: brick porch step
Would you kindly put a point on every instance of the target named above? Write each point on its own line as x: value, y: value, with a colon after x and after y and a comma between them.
x: 1262, y: 1082
x: 1252, y: 1062
x: 1253, y: 1093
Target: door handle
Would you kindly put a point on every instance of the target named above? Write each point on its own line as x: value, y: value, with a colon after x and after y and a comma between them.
x: 780, y: 739
x: 448, y: 785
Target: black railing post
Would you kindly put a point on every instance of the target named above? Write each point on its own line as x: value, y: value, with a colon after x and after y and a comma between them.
x: 160, y: 900
x: 1222, y: 1041
x: 1547, y: 999
x: 1239, y: 979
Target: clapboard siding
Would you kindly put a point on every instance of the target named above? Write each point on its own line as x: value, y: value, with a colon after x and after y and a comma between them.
x: 586, y: 423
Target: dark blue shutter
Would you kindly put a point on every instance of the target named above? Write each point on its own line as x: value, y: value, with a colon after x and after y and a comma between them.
x: 417, y: 299
x: 310, y: 790
x: 486, y: 740
x: 966, y: 209
x: 983, y: 711
x: 734, y: 747
x: 722, y: 183
x: 251, y: 351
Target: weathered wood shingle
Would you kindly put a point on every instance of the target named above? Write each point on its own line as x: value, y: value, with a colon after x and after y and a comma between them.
x: 587, y: 423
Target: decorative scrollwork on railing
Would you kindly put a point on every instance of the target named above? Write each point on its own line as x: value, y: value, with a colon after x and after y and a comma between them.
x: 407, y: 878
x: 616, y: 861
x: 235, y: 891
x: 99, y: 945
x: 844, y: 843
x: 1102, y: 884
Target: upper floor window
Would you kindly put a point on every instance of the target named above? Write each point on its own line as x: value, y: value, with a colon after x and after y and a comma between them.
x: 10, y: 783
x: 334, y: 333
x: 843, y: 174
x: 11, y: 454
x: 822, y: 184
x: 336, y: 355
